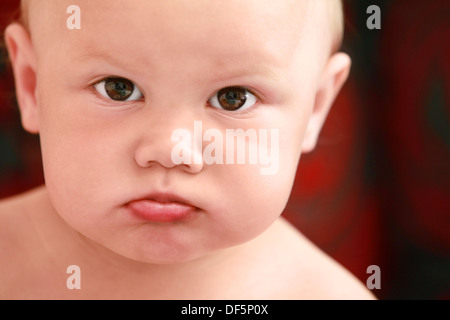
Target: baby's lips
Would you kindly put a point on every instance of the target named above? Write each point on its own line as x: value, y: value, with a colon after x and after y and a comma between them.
x: 162, y: 207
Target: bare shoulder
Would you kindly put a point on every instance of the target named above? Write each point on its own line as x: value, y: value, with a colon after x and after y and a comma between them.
x: 303, y: 271
x: 14, y: 215
x: 12, y: 218
x: 17, y: 240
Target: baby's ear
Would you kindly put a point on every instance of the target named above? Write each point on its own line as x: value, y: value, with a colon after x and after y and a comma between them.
x: 333, y: 77
x: 23, y: 61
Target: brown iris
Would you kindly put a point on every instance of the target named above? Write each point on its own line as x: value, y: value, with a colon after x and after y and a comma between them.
x: 119, y: 89
x: 232, y: 98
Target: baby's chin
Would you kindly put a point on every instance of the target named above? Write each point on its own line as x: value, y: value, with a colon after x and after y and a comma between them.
x: 166, y: 257
x: 162, y: 253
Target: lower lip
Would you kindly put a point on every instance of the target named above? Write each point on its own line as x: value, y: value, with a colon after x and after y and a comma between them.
x: 154, y: 211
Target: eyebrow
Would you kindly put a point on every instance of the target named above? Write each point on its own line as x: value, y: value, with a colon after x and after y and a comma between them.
x: 102, y: 56
x: 223, y: 74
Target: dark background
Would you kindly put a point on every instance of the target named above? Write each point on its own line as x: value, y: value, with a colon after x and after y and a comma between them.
x: 376, y: 189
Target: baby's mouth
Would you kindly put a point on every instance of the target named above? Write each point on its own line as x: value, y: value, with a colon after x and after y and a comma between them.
x: 162, y: 207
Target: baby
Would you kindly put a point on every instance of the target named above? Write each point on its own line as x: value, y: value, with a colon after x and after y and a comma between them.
x: 107, y: 86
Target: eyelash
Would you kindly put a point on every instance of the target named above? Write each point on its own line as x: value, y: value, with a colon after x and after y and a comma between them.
x: 96, y: 89
x: 221, y: 97
x: 214, y: 98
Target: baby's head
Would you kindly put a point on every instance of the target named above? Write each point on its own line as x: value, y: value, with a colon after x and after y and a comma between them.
x: 108, y: 100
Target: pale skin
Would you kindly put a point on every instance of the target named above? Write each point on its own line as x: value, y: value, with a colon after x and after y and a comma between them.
x: 99, y: 154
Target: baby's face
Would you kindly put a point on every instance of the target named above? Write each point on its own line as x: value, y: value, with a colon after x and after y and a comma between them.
x: 111, y: 95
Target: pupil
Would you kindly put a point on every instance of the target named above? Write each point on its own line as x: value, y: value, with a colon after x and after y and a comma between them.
x: 232, y: 98
x: 119, y: 89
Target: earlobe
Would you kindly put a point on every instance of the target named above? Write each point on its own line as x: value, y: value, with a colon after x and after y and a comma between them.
x: 23, y: 61
x: 333, y: 78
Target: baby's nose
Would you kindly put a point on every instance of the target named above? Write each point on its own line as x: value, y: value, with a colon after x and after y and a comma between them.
x: 163, y: 145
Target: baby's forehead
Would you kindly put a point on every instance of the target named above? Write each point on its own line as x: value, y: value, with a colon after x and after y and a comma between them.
x: 231, y: 25
x: 282, y: 9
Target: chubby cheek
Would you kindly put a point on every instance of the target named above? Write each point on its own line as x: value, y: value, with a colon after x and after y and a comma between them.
x: 250, y: 197
x: 80, y: 158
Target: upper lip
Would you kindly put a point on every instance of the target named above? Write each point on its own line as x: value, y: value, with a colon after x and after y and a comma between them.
x: 164, y: 197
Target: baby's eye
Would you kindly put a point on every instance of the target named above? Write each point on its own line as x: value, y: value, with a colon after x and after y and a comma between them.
x: 233, y: 98
x: 118, y: 89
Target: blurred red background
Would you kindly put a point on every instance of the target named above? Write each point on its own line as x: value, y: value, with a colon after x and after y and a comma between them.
x: 376, y: 189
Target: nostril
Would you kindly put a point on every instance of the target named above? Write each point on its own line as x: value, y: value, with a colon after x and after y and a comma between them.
x: 152, y: 155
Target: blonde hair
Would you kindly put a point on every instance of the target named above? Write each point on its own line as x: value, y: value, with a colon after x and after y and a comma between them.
x: 24, y: 12
x: 335, y: 13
